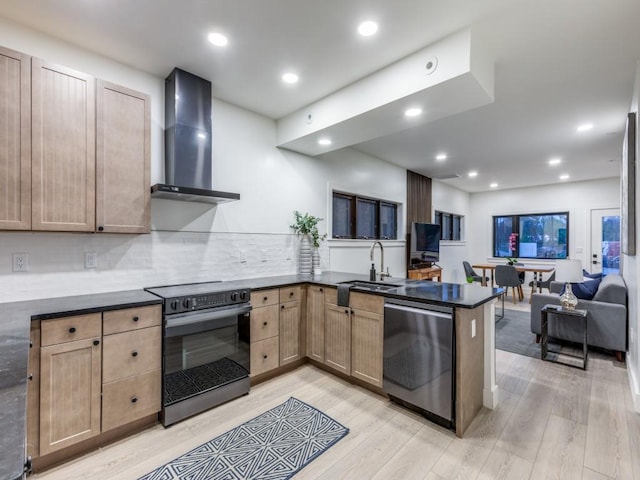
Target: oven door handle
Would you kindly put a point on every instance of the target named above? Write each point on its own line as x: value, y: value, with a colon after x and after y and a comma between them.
x: 194, y: 322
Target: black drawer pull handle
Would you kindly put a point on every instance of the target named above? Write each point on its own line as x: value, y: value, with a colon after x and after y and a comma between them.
x: 265, y: 357
x: 265, y: 299
x: 30, y: 377
x: 134, y: 399
x: 322, y: 290
x: 72, y: 330
x: 135, y: 319
x: 96, y: 342
x: 265, y: 324
x: 282, y: 307
x: 346, y: 311
x: 291, y: 294
x: 134, y: 354
x: 101, y: 228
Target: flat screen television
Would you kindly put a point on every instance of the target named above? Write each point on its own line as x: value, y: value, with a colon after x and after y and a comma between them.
x: 425, y: 243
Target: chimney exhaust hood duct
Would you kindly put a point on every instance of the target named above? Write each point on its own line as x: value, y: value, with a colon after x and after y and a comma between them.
x: 187, y: 141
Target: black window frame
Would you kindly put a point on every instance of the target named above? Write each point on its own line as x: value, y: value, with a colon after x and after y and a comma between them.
x: 355, y: 220
x: 449, y: 220
x: 515, y: 229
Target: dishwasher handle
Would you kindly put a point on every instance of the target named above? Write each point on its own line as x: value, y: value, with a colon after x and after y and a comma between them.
x: 420, y: 311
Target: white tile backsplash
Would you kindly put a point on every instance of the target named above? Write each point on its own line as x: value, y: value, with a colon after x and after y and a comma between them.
x: 56, y: 260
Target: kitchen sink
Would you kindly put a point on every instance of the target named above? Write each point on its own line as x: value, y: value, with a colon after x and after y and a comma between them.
x: 371, y: 286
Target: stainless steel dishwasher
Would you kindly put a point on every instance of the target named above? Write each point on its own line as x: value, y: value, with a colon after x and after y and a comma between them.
x: 419, y: 359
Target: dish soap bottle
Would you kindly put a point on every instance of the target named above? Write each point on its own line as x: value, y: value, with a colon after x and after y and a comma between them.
x: 372, y: 273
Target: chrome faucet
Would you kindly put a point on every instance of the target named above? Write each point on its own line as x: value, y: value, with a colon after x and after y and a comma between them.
x: 382, y: 272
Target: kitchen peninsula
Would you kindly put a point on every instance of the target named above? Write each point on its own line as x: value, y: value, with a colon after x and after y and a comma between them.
x: 471, y: 303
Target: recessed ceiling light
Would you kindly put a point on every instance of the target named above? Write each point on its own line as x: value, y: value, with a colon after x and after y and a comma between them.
x: 324, y: 141
x: 493, y: 185
x: 584, y: 127
x: 472, y: 174
x: 290, y: 77
x: 555, y: 161
x: 564, y: 176
x: 441, y: 156
x: 218, y: 39
x: 368, y: 28
x: 412, y: 112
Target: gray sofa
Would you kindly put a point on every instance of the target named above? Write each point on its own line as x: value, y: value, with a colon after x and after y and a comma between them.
x: 606, y: 322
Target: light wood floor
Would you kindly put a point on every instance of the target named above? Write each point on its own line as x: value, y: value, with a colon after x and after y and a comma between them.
x: 553, y: 421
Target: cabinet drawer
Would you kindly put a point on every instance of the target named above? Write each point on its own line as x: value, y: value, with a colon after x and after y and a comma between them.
x: 262, y: 298
x: 264, y: 355
x: 289, y: 294
x: 70, y: 329
x: 331, y: 296
x: 131, y: 353
x: 366, y: 302
x: 264, y: 322
x: 129, y: 399
x: 117, y: 321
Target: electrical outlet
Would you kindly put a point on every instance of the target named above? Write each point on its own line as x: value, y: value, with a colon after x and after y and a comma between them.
x: 90, y: 260
x: 243, y: 256
x: 20, y: 262
x: 263, y: 255
x: 473, y: 328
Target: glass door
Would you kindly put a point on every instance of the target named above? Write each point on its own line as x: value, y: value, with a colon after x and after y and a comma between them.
x: 605, y: 241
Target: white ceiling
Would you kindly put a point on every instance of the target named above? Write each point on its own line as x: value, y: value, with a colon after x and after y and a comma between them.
x: 557, y: 64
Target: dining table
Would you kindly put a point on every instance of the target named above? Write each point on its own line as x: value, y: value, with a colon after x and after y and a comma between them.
x: 537, y: 271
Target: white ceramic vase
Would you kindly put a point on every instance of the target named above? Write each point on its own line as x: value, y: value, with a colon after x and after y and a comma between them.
x: 305, y: 255
x: 315, y: 259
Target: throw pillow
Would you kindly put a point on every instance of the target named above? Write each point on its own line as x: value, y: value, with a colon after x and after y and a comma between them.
x: 585, y: 290
x: 591, y: 275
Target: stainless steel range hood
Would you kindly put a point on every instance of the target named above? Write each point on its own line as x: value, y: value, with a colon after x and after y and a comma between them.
x: 187, y: 142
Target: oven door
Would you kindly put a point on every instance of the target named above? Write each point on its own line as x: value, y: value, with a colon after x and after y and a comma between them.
x: 205, y: 360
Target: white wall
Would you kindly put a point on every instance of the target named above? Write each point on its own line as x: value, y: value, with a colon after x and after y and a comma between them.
x: 631, y: 271
x: 578, y: 198
x: 193, y: 242
x: 446, y: 198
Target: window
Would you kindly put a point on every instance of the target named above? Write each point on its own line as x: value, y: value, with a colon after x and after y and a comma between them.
x: 543, y: 235
x: 450, y: 225
x: 355, y: 216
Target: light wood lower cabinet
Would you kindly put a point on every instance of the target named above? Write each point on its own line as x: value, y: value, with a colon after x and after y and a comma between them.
x: 289, y: 332
x: 315, y: 323
x: 366, y: 346
x: 69, y: 386
x: 90, y: 374
x: 337, y: 338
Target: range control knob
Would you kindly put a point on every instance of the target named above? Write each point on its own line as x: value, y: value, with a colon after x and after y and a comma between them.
x: 243, y: 295
x: 174, y: 304
x: 186, y: 303
x: 234, y: 296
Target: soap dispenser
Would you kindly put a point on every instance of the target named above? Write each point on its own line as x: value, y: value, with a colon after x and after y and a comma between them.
x: 372, y: 273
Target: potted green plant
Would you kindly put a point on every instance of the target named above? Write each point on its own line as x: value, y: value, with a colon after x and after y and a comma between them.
x: 306, y: 226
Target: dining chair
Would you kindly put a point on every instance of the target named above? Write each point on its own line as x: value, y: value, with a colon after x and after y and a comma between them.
x: 507, y: 276
x: 469, y: 272
x: 543, y: 283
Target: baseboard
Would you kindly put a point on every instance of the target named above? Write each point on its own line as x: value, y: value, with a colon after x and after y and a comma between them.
x: 633, y: 384
x: 491, y: 397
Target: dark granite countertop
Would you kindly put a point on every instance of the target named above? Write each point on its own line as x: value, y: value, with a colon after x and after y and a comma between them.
x: 15, y: 322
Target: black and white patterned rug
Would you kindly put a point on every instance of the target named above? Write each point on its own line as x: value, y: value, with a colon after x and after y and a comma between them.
x: 271, y: 446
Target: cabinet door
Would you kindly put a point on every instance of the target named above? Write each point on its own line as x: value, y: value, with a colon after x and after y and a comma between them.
x: 366, y: 346
x: 63, y: 149
x: 289, y: 332
x: 69, y: 393
x: 15, y: 140
x: 122, y: 159
x: 337, y: 338
x: 33, y: 393
x: 315, y: 323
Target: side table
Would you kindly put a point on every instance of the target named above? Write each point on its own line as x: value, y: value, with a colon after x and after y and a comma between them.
x: 565, y: 315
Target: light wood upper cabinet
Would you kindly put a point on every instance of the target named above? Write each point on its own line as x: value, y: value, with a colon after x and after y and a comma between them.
x: 122, y: 159
x: 15, y: 140
x: 63, y: 148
